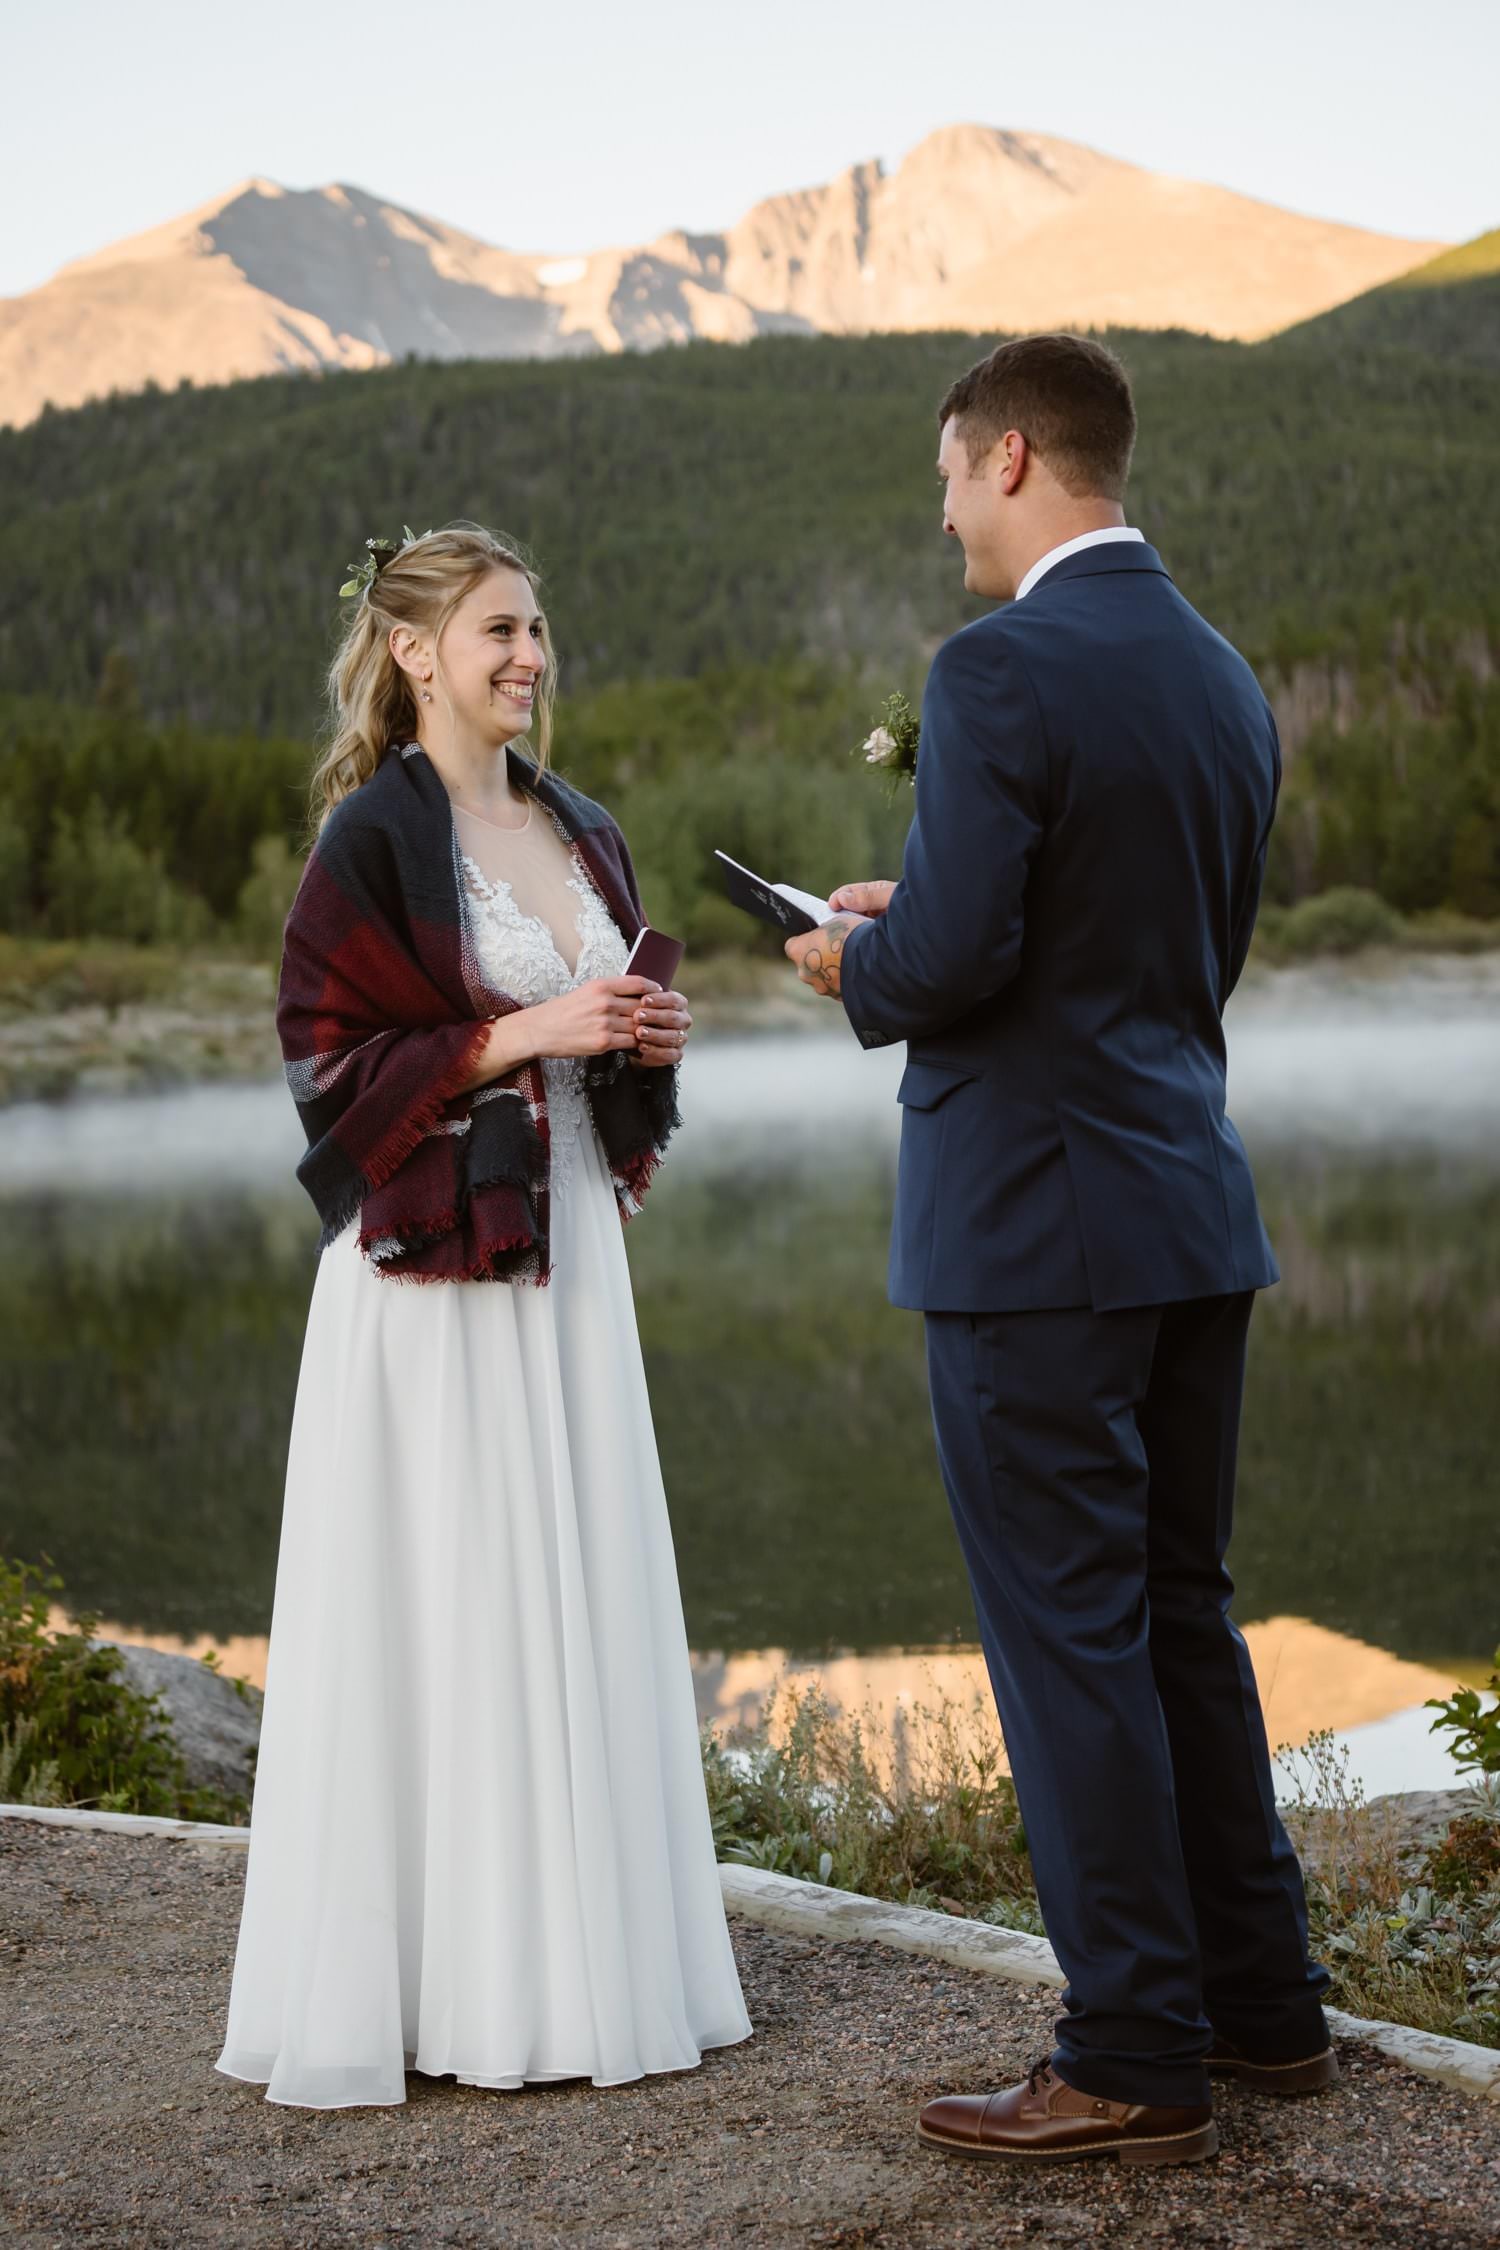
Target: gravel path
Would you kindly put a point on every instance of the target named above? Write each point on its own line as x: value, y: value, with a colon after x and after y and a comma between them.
x: 115, y: 1955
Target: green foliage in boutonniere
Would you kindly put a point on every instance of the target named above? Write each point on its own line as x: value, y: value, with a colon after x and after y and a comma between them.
x: 378, y: 552
x: 893, y: 743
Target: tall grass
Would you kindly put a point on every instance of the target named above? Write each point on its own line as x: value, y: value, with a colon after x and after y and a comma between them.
x: 919, y: 1810
x: 1410, y: 1930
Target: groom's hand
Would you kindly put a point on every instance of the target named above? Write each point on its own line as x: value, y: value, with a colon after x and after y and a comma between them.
x: 817, y: 955
x: 862, y: 898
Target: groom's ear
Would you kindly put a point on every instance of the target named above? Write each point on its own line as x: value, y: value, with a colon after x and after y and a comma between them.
x: 1008, y: 460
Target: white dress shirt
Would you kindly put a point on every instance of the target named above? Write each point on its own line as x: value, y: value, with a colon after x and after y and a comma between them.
x: 1073, y: 547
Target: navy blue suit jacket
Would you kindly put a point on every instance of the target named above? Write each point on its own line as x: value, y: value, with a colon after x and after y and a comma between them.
x: 1095, y: 787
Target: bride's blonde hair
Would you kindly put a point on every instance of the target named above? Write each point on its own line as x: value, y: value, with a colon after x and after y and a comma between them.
x: 370, y: 699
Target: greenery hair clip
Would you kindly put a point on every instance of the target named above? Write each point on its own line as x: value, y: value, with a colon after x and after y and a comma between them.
x: 378, y: 552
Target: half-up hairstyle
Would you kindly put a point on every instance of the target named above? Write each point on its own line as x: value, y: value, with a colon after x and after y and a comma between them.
x: 370, y: 699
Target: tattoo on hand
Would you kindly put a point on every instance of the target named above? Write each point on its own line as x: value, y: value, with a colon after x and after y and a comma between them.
x: 821, y: 966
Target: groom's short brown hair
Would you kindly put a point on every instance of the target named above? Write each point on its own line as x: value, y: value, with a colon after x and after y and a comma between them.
x: 1069, y: 398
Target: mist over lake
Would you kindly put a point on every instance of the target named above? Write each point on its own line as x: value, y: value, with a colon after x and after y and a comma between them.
x: 1315, y: 1057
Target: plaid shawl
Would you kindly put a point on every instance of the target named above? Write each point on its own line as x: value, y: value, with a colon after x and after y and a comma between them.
x: 381, y: 1012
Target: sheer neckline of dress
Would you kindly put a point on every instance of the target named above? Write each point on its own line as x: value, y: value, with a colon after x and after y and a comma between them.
x: 505, y: 827
x: 535, y: 879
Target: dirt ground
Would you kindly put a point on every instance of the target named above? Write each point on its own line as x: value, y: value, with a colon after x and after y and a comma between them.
x: 115, y: 1955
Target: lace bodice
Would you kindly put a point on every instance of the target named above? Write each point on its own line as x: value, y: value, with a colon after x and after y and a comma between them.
x: 526, y: 955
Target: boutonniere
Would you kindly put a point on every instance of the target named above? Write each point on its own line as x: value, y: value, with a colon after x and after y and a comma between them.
x: 892, y: 744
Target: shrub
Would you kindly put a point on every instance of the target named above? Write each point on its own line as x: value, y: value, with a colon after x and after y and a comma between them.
x: 1421, y: 1960
x: 37, y: 977
x: 265, y: 897
x: 1451, y: 933
x: 15, y: 872
x: 26, y: 1777
x: 1467, y: 1860
x: 1417, y: 1944
x: 920, y: 1812
x: 713, y: 925
x: 101, y: 883
x: 1350, y: 1850
x: 73, y: 1731
x: 1475, y: 1726
x: 1270, y: 926
x: 1475, y: 872
x: 1337, y: 921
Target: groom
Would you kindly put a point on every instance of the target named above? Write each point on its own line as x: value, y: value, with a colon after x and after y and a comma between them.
x: 1076, y: 1219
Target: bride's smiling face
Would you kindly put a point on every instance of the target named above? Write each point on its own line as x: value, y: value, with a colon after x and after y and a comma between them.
x: 492, y: 657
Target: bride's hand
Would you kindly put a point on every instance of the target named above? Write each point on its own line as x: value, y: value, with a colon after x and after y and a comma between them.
x: 591, y: 1019
x: 861, y: 898
x: 664, y: 1023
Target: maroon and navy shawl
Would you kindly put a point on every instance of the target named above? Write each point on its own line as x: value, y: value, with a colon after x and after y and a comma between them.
x: 382, y: 1010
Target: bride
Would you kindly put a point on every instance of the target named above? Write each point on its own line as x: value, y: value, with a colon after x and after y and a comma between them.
x: 479, y: 1837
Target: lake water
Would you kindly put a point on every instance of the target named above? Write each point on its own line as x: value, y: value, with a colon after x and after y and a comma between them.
x: 159, y: 1259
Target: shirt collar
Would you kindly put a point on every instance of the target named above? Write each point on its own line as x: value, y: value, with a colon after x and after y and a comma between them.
x: 1073, y: 547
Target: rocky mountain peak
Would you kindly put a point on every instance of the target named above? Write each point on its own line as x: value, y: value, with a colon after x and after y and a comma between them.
x: 979, y: 227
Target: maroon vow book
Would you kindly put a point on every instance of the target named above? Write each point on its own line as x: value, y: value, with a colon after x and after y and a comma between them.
x: 654, y: 955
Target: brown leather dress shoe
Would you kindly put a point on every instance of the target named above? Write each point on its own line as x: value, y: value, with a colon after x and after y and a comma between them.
x: 1048, y: 2121
x: 1305, y: 2074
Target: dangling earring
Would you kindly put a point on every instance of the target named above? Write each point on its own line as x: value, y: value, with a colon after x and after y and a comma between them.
x: 426, y: 698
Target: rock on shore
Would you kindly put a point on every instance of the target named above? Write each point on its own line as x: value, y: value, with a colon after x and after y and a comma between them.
x: 214, y: 1721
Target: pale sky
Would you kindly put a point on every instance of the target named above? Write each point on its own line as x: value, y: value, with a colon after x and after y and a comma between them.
x: 580, y: 123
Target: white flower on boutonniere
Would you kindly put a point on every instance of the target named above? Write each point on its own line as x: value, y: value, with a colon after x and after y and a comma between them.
x: 892, y: 742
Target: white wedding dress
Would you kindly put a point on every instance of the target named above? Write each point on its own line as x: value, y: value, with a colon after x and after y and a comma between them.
x: 479, y: 1838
